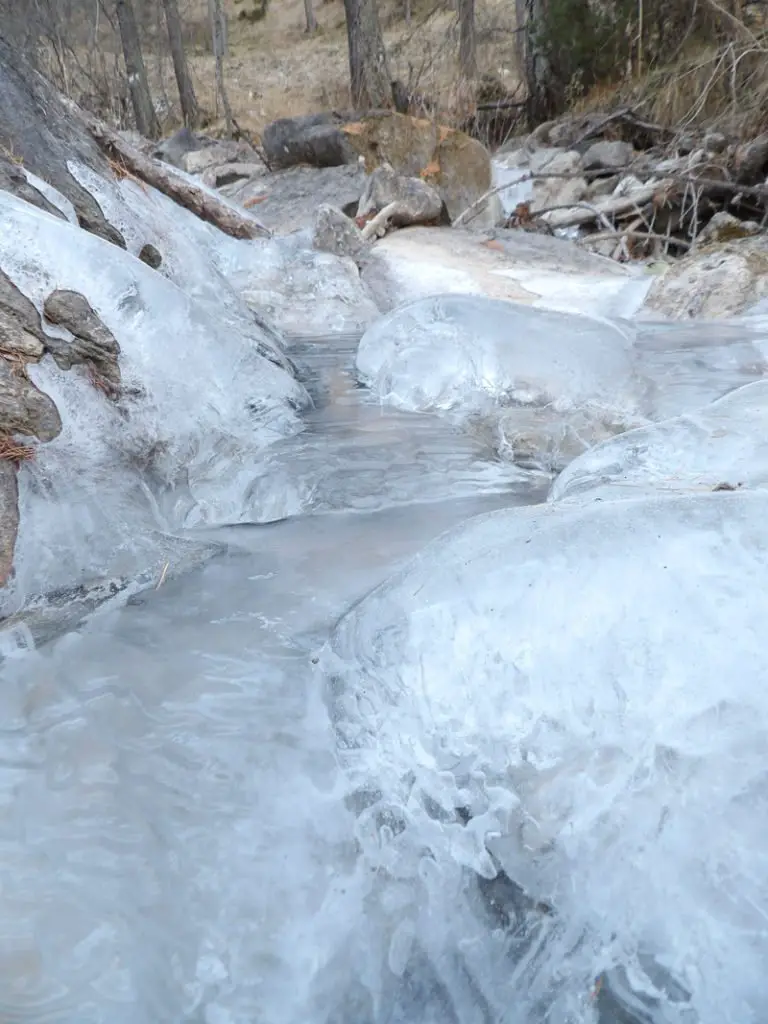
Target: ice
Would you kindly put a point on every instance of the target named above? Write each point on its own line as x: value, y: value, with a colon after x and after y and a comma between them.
x: 724, y: 444
x: 201, y: 400
x: 584, y: 684
x: 544, y: 381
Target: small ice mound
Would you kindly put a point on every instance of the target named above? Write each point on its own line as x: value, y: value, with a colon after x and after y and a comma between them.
x: 585, y: 685
x: 464, y: 353
x: 200, y: 401
x: 542, y: 438
x: 722, y: 446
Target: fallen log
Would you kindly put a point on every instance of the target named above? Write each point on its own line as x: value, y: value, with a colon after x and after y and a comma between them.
x: 204, y: 205
x: 576, y: 214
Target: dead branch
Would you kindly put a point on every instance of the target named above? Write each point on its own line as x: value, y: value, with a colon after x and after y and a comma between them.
x: 204, y: 205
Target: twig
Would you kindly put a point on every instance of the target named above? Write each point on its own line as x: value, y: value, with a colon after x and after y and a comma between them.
x: 643, y: 236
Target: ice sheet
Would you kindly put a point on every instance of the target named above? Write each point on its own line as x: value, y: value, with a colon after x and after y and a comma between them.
x: 586, y: 684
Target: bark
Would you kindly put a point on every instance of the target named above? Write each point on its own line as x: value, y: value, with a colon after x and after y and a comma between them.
x: 368, y: 67
x: 542, y: 102
x: 204, y: 205
x: 467, y: 46
x: 187, y: 96
x: 219, y: 37
x: 309, y: 14
x: 146, y: 119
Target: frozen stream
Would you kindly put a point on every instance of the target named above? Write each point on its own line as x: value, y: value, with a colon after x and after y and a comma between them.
x: 175, y: 841
x: 332, y: 776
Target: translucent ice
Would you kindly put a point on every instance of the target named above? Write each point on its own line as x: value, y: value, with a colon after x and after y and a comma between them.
x: 453, y: 351
x: 202, y: 397
x: 565, y: 381
x: 724, y: 444
x: 584, y: 686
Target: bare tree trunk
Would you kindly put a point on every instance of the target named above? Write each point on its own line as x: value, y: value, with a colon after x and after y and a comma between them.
x: 187, y: 96
x: 407, y: 12
x: 368, y: 67
x: 535, y: 64
x: 310, y: 16
x: 219, y: 36
x: 146, y: 119
x: 467, y: 46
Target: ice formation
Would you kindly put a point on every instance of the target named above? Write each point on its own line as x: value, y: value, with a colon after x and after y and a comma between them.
x: 723, y: 445
x: 550, y: 383
x: 583, y: 685
x: 205, y: 389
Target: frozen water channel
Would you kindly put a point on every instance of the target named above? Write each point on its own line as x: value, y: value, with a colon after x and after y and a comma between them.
x: 177, y: 843
x: 426, y: 740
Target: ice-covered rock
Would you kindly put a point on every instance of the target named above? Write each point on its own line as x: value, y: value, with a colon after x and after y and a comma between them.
x: 575, y: 693
x: 463, y: 352
x: 417, y: 262
x: 200, y: 398
x: 723, y: 445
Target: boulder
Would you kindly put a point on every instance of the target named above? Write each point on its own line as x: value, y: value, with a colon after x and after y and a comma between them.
x: 219, y: 154
x: 288, y: 200
x: 724, y: 227
x: 24, y: 409
x: 314, y: 139
x: 9, y: 517
x: 175, y: 148
x: 14, y: 180
x: 713, y: 282
x: 227, y: 174
x: 21, y: 330
x: 394, y: 199
x: 608, y: 156
x: 334, y: 232
x: 458, y: 166
x: 92, y: 344
x: 751, y: 161
x: 535, y: 269
x: 44, y: 134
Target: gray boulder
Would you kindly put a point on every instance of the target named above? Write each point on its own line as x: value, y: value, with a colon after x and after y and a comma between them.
x: 609, y: 156
x: 314, y: 139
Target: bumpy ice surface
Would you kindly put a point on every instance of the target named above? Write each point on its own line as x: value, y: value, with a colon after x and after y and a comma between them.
x: 725, y: 443
x: 462, y: 350
x: 206, y: 388
x: 586, y: 683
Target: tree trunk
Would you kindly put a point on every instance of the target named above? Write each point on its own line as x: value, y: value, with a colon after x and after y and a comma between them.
x: 542, y: 99
x: 146, y: 119
x: 467, y: 47
x: 368, y: 67
x: 219, y: 36
x: 187, y: 96
x: 310, y: 16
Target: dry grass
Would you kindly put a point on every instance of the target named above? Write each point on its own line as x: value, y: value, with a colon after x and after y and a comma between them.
x: 275, y: 69
x: 12, y: 451
x: 723, y: 87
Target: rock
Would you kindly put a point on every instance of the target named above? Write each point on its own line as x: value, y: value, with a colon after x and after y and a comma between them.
x: 715, y: 142
x: 601, y: 187
x: 92, y: 344
x: 334, y: 232
x: 394, y: 199
x: 21, y: 330
x: 13, y: 180
x: 609, y: 156
x: 536, y: 269
x: 556, y: 191
x: 44, y: 134
x: 227, y: 174
x: 522, y: 168
x: 751, y: 161
x: 724, y: 227
x: 315, y: 139
x: 23, y: 408
x: 719, y: 282
x: 150, y: 255
x: 459, y: 167
x: 9, y: 517
x: 175, y: 148
x: 219, y: 154
x: 288, y: 200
